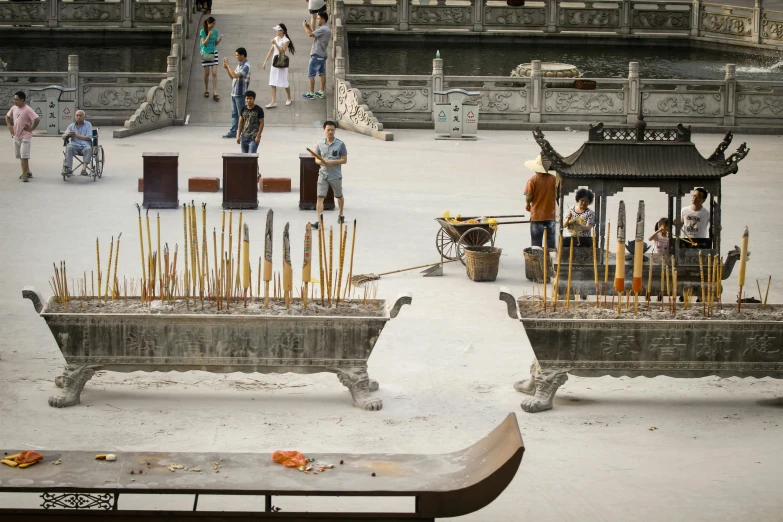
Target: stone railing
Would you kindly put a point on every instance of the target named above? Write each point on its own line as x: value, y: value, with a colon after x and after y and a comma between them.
x: 407, y: 101
x: 90, y: 13
x: 687, y: 19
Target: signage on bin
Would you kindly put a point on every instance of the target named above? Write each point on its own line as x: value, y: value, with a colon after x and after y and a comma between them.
x: 470, y: 117
x: 442, y: 116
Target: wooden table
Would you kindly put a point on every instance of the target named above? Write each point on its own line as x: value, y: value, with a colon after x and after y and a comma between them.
x: 240, y: 180
x: 308, y: 185
x: 161, y: 179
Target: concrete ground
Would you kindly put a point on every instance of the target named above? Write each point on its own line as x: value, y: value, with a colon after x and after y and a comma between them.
x: 446, y: 365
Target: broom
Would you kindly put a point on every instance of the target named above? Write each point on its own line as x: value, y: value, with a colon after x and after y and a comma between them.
x: 360, y: 279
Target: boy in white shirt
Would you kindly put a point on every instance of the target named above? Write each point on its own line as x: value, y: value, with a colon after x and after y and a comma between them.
x: 696, y: 218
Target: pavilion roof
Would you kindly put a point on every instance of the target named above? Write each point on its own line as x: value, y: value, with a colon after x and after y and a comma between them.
x: 661, y: 154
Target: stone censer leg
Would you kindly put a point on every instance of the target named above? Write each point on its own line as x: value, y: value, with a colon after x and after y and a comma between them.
x: 545, y: 384
x: 72, y: 382
x: 360, y: 385
x: 528, y: 386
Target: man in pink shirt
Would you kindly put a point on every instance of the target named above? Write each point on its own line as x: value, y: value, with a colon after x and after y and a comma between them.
x: 22, y: 121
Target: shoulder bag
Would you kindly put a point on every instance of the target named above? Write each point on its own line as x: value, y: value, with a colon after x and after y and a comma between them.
x: 280, y: 61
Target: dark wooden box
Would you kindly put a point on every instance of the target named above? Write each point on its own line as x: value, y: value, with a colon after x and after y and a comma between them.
x: 308, y: 185
x: 240, y: 180
x: 161, y: 185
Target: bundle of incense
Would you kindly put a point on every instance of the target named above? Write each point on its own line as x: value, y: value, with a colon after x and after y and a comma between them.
x: 570, y: 267
x: 595, y: 268
x: 141, y: 249
x: 674, y: 290
x: 546, y: 240
x: 195, y: 267
x: 186, y: 286
x: 228, y: 273
x: 709, y: 284
x: 160, y: 262
x: 321, y: 256
x: 239, y: 251
x: 149, y: 237
x: 619, y: 274
x: 556, y: 285
x: 306, y: 263
x: 349, y: 283
x: 204, y: 248
x: 216, y: 273
x: 268, y: 255
x: 288, y: 275
x: 222, y: 245
x: 245, y: 261
x: 108, y: 266
x: 260, y: 271
x: 606, y: 265
x: 330, y: 268
x: 98, y: 255
x: 116, y: 259
x: 701, y: 277
x: 343, y: 241
x: 743, y: 262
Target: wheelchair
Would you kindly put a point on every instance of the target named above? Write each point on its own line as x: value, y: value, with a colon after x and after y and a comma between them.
x: 95, y: 167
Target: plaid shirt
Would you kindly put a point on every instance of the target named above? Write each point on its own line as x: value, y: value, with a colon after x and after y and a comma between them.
x: 241, y: 85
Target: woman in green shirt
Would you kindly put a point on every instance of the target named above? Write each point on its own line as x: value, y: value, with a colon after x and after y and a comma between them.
x: 209, y: 39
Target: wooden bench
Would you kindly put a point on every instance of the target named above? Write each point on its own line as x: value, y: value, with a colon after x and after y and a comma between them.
x: 444, y: 485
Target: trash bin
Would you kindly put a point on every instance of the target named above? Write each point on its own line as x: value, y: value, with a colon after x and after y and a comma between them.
x: 482, y: 262
x: 55, y: 105
x: 457, y: 119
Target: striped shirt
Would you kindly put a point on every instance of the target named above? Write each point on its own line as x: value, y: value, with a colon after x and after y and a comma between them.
x: 242, y: 84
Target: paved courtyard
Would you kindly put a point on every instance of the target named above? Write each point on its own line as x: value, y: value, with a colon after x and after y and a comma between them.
x: 446, y: 365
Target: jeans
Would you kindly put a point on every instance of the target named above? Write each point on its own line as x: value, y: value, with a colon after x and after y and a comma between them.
x: 248, y: 145
x: 537, y: 233
x: 316, y: 66
x: 74, y: 149
x: 237, y: 102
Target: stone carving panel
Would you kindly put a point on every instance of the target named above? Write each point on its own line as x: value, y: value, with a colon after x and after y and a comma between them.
x: 661, y: 19
x: 589, y: 18
x: 157, y: 12
x: 372, y: 14
x: 771, y: 29
x: 113, y: 97
x: 726, y: 24
x: 672, y: 104
x: 25, y: 12
x: 442, y: 15
x: 159, y: 105
x: 350, y: 108
x: 759, y: 105
x: 569, y: 102
x: 91, y: 12
x: 396, y: 100
x: 534, y: 17
x: 499, y: 102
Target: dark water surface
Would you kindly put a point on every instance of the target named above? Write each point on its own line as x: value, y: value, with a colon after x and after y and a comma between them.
x: 596, y: 61
x: 97, y: 58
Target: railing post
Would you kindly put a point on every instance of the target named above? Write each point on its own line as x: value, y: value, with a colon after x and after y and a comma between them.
x: 731, y: 94
x: 127, y: 13
x: 536, y: 95
x: 172, y: 71
x: 755, y: 35
x: 478, y: 15
x: 182, y: 10
x: 551, y: 16
x: 403, y: 8
x: 73, y: 78
x: 53, y: 10
x: 625, y: 21
x: 176, y: 36
x: 437, y: 80
x: 633, y: 95
x: 695, y: 17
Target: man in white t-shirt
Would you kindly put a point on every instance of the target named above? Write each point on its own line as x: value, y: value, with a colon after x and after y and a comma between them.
x: 696, y: 218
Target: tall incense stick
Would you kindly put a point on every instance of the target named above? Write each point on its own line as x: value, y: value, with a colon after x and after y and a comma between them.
x: 595, y: 267
x: 546, y: 241
x: 245, y: 261
x: 743, y: 262
x: 270, y: 217
x: 288, y: 275
x: 349, y: 283
x: 606, y: 265
x: 307, y: 262
x: 570, y: 267
x: 556, y: 289
x: 619, y: 274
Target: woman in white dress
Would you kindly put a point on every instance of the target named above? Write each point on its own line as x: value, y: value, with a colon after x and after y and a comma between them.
x: 278, y: 76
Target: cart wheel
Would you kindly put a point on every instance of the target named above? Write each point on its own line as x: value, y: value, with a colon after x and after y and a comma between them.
x: 99, y: 161
x: 449, y: 247
x: 474, y: 237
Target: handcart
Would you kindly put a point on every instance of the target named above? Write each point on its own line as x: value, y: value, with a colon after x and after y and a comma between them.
x: 452, y: 238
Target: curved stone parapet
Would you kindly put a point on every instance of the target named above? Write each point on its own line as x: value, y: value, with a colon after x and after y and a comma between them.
x: 351, y: 109
x: 159, y: 110
x: 402, y: 299
x: 29, y: 292
x: 511, y: 302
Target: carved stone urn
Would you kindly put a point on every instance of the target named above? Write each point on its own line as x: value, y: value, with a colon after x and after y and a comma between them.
x: 549, y: 70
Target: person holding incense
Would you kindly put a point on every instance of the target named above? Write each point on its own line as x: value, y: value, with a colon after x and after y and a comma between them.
x: 580, y: 219
x: 331, y: 155
x: 541, y: 202
x: 696, y: 221
x: 660, y: 239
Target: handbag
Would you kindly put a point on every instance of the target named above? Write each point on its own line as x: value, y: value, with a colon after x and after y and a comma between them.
x: 207, y: 57
x: 280, y: 61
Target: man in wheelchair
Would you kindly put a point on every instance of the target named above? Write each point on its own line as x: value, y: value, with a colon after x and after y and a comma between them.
x: 78, y: 140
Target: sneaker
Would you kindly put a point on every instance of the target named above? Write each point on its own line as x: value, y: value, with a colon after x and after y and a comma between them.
x: 319, y: 94
x: 308, y: 96
x: 340, y: 220
x: 29, y: 175
x: 25, y: 177
x: 84, y: 173
x: 67, y: 172
x: 229, y: 135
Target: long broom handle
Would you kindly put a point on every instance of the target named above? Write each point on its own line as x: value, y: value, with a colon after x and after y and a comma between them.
x: 415, y: 267
x: 492, y: 217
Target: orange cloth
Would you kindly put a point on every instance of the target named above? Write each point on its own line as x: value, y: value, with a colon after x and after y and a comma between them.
x: 541, y: 187
x: 28, y: 456
x: 289, y: 459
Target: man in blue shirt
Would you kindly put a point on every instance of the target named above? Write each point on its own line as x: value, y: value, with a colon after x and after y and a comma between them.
x: 240, y: 84
x: 334, y: 155
x: 80, y: 133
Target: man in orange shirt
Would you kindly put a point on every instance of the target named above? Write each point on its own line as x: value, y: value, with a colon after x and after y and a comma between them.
x: 541, y: 200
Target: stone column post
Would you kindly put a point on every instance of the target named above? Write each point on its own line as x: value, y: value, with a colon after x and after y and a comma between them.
x: 403, y: 10
x: 339, y: 65
x: 755, y: 33
x: 633, y: 94
x: 176, y: 37
x: 182, y: 11
x: 695, y: 17
x: 437, y: 80
x: 73, y: 78
x: 551, y: 16
x: 172, y: 72
x: 52, y: 12
x: 730, y: 106
x: 127, y: 13
x: 478, y: 15
x: 625, y: 20
x: 535, y: 92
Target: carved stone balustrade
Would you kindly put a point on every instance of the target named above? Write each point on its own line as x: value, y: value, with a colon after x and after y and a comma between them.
x: 90, y: 13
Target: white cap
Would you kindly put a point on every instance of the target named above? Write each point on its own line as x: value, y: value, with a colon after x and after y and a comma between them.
x: 277, y: 28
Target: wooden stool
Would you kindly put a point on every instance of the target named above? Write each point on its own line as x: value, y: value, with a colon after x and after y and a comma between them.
x: 308, y: 185
x: 276, y: 184
x: 240, y: 177
x: 161, y: 179
x: 203, y: 184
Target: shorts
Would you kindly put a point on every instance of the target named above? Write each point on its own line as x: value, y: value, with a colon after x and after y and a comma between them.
x: 321, y: 10
x: 324, y: 184
x: 22, y: 148
x: 317, y: 66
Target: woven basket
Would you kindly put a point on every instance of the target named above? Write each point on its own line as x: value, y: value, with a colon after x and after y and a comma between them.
x: 482, y: 262
x: 534, y: 266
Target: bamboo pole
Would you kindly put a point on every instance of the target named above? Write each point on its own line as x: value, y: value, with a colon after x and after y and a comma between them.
x: 743, y: 262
